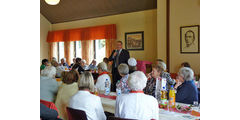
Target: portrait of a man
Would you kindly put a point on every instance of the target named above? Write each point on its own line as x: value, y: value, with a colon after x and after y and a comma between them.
x: 189, y: 39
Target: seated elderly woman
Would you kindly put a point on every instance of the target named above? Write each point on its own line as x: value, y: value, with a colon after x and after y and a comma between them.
x: 84, y: 100
x: 48, y: 84
x: 185, y: 87
x: 106, y: 60
x: 103, y: 78
x: 132, y: 65
x: 123, y: 71
x: 63, y: 63
x: 155, y: 75
x: 66, y: 90
x: 59, y: 70
x: 136, y: 104
x: 166, y: 74
x: 93, y: 65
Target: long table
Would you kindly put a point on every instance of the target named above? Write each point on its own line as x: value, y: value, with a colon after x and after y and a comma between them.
x: 109, y: 106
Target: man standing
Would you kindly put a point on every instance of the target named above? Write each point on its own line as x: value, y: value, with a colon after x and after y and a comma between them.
x: 118, y: 56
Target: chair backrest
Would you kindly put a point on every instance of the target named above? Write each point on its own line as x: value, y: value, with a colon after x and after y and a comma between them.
x: 74, y: 114
x: 50, y: 105
x: 117, y: 118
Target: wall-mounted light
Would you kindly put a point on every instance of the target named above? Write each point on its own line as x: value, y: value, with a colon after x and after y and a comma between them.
x: 52, y: 2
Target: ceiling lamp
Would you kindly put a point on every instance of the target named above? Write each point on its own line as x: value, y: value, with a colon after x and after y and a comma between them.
x: 52, y: 2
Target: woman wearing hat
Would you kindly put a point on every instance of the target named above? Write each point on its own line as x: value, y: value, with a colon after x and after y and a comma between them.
x: 132, y: 63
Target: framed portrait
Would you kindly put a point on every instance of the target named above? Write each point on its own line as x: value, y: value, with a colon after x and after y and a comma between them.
x: 190, y: 39
x: 134, y: 40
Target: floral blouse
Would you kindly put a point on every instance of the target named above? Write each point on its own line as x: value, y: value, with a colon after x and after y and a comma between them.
x: 151, y: 86
x: 124, y: 84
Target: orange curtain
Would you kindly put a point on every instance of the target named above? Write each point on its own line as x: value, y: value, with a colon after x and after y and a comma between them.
x: 89, y: 33
x: 110, y: 46
x: 87, y: 50
x: 67, y: 52
x: 52, y: 50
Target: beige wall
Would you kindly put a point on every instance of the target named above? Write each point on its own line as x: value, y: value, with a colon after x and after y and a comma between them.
x: 45, y: 26
x: 183, y: 13
x: 161, y: 30
x: 129, y: 22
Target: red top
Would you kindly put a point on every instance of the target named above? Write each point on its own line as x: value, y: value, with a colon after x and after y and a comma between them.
x: 136, y: 91
x: 103, y: 73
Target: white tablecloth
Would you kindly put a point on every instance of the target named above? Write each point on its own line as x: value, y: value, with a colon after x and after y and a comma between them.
x: 109, y: 106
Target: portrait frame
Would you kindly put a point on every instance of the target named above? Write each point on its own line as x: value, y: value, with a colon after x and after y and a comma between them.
x: 190, y: 39
x: 134, y: 40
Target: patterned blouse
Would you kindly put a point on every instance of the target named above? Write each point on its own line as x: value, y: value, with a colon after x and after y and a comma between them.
x: 124, y: 84
x: 150, y: 88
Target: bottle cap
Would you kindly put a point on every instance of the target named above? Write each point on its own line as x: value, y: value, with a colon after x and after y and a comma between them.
x: 171, y: 86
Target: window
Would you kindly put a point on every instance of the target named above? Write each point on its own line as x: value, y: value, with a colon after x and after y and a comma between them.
x: 96, y: 49
x: 99, y: 50
x: 77, y: 49
x: 60, y: 51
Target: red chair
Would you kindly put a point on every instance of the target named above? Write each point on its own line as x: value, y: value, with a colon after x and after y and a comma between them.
x: 50, y: 105
x: 117, y: 118
x: 74, y: 114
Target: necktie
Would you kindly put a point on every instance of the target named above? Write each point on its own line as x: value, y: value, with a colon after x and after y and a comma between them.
x: 117, y: 59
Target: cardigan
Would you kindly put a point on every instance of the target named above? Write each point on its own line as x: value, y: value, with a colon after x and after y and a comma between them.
x: 187, y: 92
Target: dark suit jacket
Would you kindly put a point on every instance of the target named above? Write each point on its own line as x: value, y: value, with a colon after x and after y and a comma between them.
x: 123, y: 57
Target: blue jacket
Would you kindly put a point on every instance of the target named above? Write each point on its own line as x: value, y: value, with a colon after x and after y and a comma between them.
x: 187, y: 93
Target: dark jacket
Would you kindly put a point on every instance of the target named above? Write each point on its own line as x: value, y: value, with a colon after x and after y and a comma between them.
x: 123, y: 57
x: 187, y: 93
x: 79, y: 67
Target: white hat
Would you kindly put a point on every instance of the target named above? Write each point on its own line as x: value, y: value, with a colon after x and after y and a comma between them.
x: 132, y: 62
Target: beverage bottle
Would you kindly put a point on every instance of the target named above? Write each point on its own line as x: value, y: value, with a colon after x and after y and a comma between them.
x: 118, y: 88
x: 107, y: 87
x: 172, y: 97
x: 164, y: 101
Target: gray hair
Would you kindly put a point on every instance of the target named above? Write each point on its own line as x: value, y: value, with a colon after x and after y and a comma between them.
x: 137, y: 80
x: 102, y: 66
x: 186, y: 73
x: 86, y: 81
x: 162, y: 65
x: 123, y: 69
x: 49, y: 71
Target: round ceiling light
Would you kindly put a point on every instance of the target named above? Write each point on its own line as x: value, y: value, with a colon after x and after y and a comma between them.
x: 52, y: 2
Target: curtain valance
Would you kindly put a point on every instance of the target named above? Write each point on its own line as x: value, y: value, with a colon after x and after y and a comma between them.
x: 88, y: 33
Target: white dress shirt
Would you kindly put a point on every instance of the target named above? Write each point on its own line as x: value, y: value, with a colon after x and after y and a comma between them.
x: 137, y: 106
x: 91, y: 104
x: 65, y: 92
x: 100, y: 84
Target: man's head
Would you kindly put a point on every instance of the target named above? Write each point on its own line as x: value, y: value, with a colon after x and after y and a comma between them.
x: 189, y: 37
x: 119, y: 45
x: 63, y: 60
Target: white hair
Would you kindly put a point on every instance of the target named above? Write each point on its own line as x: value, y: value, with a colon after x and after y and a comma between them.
x: 123, y: 69
x: 162, y: 65
x: 49, y: 71
x: 137, y: 81
x: 102, y: 66
x: 187, y: 73
x: 84, y: 61
x: 132, y: 62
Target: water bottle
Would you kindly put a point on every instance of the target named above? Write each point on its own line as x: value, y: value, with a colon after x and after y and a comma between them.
x: 107, y: 87
x: 118, y: 88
